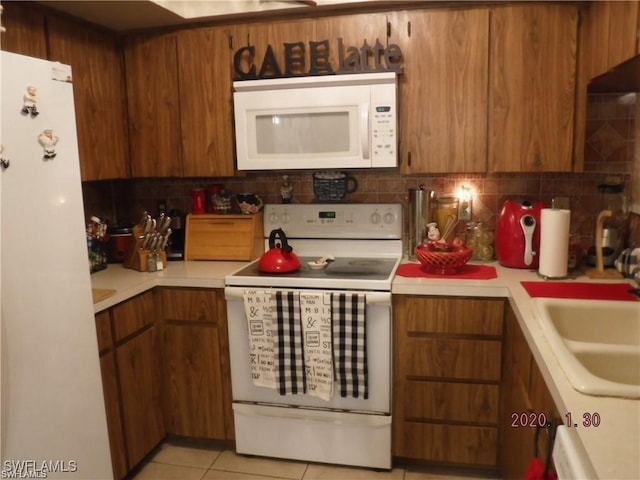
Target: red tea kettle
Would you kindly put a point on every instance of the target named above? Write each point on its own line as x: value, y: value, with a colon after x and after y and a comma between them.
x: 280, y: 257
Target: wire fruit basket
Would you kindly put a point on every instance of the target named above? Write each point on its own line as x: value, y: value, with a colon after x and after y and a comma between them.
x: 443, y: 263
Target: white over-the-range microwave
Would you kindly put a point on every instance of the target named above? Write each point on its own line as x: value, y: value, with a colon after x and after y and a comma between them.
x: 330, y: 121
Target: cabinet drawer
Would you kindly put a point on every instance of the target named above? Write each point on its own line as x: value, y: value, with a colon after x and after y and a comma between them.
x: 223, y: 237
x: 449, y: 444
x: 452, y: 315
x: 458, y: 402
x: 189, y: 304
x: 451, y: 358
x: 103, y: 330
x: 132, y: 315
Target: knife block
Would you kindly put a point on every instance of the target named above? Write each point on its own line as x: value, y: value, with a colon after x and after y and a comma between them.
x: 136, y: 257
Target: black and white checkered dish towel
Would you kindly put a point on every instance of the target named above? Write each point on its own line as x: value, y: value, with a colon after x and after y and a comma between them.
x: 349, y: 344
x: 288, y: 344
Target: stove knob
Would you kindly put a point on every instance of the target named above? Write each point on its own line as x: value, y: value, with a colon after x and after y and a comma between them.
x: 375, y: 218
x: 273, y: 218
x: 389, y: 218
x: 285, y: 218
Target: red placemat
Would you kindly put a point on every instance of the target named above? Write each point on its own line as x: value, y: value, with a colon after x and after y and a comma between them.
x: 477, y: 272
x: 581, y: 290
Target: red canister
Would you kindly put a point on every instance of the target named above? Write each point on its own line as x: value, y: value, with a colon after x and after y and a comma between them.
x: 118, y: 245
x: 198, y: 205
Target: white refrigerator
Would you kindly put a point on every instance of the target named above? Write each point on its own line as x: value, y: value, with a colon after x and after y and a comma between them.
x: 52, y: 406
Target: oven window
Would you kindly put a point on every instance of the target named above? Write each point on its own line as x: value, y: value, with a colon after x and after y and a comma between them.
x: 303, y: 133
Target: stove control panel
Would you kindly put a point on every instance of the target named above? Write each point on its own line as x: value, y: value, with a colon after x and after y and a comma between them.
x: 353, y: 220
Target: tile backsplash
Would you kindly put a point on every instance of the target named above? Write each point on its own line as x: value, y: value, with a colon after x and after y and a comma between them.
x: 609, y: 150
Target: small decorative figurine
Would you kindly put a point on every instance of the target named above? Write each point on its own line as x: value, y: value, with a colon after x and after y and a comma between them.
x: 30, y: 100
x: 286, y: 190
x: 4, y: 162
x: 433, y: 233
x: 48, y: 140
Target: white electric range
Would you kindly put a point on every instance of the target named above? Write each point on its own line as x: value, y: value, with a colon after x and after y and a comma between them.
x: 366, y: 243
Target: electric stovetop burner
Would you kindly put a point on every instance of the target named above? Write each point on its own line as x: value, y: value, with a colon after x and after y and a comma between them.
x: 345, y: 267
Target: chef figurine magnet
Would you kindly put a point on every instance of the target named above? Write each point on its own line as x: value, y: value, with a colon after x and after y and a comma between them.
x: 30, y: 99
x: 48, y: 140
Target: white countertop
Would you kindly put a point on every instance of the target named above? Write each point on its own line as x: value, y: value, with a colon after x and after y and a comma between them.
x: 613, y: 447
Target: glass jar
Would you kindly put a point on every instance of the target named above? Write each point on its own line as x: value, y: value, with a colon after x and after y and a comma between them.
x: 446, y: 207
x: 480, y: 237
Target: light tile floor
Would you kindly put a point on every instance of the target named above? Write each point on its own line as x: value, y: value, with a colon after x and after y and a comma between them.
x: 176, y: 461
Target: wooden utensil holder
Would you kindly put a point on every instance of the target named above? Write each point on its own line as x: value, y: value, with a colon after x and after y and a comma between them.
x: 137, y: 257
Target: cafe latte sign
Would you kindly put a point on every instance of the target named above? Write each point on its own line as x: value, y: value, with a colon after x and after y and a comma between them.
x: 315, y: 59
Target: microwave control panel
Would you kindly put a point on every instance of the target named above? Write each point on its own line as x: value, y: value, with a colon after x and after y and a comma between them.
x: 384, y: 129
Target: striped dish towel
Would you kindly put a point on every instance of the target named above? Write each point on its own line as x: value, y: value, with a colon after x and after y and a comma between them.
x: 315, y: 310
x: 258, y: 310
x: 288, y: 344
x: 349, y: 344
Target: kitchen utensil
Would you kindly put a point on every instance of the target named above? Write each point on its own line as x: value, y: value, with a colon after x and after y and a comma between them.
x: 518, y: 234
x: 599, y: 271
x: 321, y: 262
x: 280, y: 257
x: 421, y: 203
x: 333, y: 186
x: 450, y: 228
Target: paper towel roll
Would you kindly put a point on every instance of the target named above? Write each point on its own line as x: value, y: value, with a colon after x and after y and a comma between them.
x: 554, y: 242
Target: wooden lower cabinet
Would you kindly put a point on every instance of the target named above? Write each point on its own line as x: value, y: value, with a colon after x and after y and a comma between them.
x: 131, y: 369
x: 197, y: 389
x: 446, y: 370
x: 138, y: 362
x: 165, y: 370
x: 523, y: 391
x: 111, y: 392
x: 194, y: 393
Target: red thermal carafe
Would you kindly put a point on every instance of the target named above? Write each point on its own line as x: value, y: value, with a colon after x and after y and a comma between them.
x: 518, y: 234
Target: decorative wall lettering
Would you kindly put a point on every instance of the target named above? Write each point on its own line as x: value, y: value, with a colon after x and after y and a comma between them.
x: 351, y: 59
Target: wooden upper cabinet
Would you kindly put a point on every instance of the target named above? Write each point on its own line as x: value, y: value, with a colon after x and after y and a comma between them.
x: 99, y: 96
x: 151, y: 69
x: 532, y: 88
x: 275, y: 34
x: 205, y: 72
x: 354, y: 30
x: 443, y: 91
x: 25, y: 31
x: 623, y: 31
x: 612, y: 36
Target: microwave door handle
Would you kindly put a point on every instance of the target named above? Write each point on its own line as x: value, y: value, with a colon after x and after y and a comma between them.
x: 364, y: 130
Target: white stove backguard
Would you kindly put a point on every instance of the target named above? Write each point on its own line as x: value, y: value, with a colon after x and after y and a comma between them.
x: 369, y: 221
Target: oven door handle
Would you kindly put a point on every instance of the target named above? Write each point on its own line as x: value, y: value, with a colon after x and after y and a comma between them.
x: 373, y: 298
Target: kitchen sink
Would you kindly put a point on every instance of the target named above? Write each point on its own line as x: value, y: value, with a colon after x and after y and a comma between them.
x: 597, y: 343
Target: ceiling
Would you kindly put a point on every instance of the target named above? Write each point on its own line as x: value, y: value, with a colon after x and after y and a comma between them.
x: 119, y: 15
